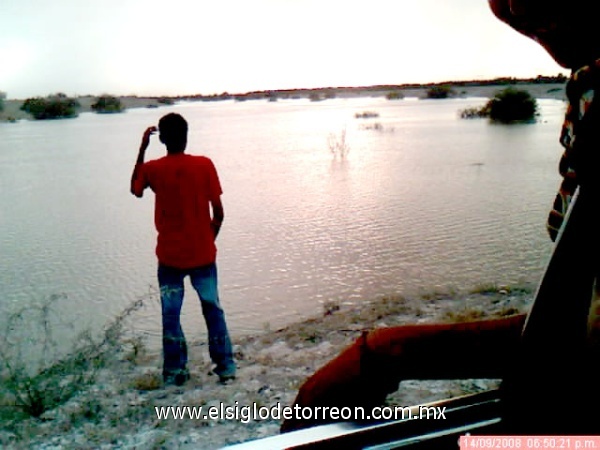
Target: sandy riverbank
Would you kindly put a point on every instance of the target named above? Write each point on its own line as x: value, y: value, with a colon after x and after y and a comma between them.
x: 118, y: 410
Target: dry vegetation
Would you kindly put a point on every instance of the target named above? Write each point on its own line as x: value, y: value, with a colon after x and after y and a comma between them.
x: 117, y: 409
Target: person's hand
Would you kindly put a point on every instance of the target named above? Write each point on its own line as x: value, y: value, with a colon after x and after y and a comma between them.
x: 146, y: 136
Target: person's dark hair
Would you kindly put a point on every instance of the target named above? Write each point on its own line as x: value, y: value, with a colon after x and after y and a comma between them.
x: 173, y: 132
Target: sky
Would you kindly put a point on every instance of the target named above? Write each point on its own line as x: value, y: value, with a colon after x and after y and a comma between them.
x: 186, y: 47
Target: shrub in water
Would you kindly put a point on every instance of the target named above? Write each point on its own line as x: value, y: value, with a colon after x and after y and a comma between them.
x: 57, y: 106
x: 107, y: 104
x: 440, y: 92
x: 338, y: 145
x: 512, y: 105
x: 394, y: 95
x: 508, y: 105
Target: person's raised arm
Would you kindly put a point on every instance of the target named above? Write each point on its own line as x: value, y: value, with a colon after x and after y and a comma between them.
x: 136, y: 188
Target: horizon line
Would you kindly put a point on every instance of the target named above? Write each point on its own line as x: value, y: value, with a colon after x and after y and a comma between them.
x: 473, y: 82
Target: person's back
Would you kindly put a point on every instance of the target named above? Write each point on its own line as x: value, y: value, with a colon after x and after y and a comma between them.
x: 185, y: 186
x: 187, y: 190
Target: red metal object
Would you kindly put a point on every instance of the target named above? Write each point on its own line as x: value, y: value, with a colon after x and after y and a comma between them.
x: 371, y: 368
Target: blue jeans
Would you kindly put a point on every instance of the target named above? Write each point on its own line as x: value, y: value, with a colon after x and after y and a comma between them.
x: 204, y: 281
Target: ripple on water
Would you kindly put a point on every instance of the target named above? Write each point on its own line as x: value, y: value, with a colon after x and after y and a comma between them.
x: 434, y: 201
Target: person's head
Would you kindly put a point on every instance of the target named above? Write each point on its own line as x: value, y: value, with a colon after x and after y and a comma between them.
x: 173, y: 130
x: 565, y: 28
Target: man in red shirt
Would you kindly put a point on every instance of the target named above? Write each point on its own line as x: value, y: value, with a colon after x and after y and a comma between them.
x: 187, y: 190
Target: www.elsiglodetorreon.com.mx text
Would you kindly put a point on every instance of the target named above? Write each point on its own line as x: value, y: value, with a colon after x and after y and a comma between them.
x: 248, y: 413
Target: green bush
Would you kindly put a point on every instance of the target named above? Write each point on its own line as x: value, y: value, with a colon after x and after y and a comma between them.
x: 440, y: 91
x: 2, y: 97
x: 508, y: 105
x: 512, y: 105
x: 57, y: 106
x: 106, y: 104
x: 394, y: 95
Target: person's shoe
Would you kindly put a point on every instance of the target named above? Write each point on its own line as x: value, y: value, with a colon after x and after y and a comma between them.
x: 224, y: 379
x: 226, y: 375
x: 177, y: 379
x: 182, y: 378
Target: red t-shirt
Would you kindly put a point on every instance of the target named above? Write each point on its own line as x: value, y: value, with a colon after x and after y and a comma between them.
x: 184, y: 186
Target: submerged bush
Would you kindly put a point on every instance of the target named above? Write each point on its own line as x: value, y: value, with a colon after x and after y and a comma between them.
x: 338, y: 145
x: 106, y: 104
x: 508, y: 105
x: 394, y: 95
x: 512, y: 105
x: 473, y: 113
x: 57, y: 106
x: 366, y: 115
x: 440, y: 91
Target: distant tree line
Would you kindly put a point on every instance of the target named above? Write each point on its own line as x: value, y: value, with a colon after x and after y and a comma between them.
x: 60, y: 106
x: 540, y: 79
x: 332, y: 92
x: 2, y: 98
x: 165, y: 101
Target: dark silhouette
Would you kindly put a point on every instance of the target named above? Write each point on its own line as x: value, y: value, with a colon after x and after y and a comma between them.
x: 555, y: 366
